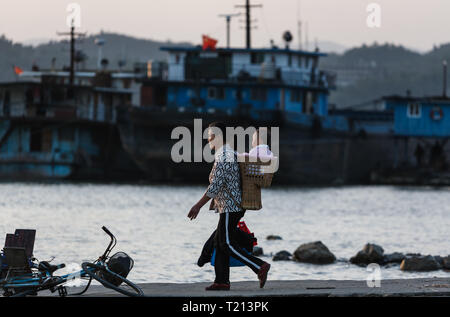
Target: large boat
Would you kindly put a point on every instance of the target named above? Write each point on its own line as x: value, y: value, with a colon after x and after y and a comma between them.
x: 273, y: 87
x: 51, y: 129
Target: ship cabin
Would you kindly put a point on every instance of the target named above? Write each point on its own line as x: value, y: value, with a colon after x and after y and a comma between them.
x: 239, y: 81
x: 425, y: 117
x: 48, y: 127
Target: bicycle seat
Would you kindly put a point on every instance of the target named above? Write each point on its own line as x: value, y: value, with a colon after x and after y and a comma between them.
x: 44, y: 266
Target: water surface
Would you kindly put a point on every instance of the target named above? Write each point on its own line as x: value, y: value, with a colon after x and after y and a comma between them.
x: 151, y: 226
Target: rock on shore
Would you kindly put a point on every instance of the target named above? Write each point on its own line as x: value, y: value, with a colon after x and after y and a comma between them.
x: 371, y: 253
x: 446, y: 263
x: 257, y: 251
x: 282, y: 256
x: 314, y: 252
x: 273, y: 237
x: 395, y: 257
x: 420, y: 263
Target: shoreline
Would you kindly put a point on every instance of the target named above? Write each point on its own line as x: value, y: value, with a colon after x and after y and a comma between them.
x: 293, y: 288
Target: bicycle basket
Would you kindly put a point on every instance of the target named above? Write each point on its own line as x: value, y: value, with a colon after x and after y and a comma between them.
x: 121, y: 264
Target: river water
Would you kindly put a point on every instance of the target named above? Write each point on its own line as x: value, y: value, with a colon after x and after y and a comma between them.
x: 150, y: 224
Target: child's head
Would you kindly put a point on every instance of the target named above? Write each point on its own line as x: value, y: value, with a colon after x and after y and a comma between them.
x: 261, y: 136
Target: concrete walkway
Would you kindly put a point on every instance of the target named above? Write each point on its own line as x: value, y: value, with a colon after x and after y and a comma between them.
x: 401, y: 287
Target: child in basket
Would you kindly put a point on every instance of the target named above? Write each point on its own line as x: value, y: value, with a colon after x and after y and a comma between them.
x: 260, y: 147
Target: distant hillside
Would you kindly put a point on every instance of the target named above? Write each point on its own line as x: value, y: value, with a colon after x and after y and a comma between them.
x: 364, y: 73
x: 373, y: 71
x: 331, y: 47
x: 117, y: 47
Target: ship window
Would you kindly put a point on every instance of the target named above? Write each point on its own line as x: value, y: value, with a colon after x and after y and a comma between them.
x: 289, y: 60
x: 414, y: 110
x: 216, y: 93
x: 40, y: 139
x: 259, y: 94
x: 256, y: 58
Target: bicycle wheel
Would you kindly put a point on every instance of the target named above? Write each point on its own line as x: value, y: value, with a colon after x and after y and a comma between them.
x: 22, y: 291
x: 128, y: 288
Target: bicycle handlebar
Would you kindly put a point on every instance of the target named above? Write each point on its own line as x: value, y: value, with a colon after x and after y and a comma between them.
x: 60, y: 266
x: 107, y: 231
x: 111, y: 245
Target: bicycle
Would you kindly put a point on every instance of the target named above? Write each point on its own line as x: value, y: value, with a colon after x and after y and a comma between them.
x: 30, y: 278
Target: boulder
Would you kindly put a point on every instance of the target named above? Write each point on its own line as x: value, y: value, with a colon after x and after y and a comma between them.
x: 413, y: 254
x: 446, y: 263
x: 274, y: 237
x: 257, y: 251
x: 282, y: 256
x: 439, y: 259
x: 395, y: 257
x: 371, y: 253
x: 420, y: 263
x: 314, y: 252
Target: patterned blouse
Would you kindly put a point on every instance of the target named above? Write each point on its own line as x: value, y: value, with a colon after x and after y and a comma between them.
x: 225, y: 182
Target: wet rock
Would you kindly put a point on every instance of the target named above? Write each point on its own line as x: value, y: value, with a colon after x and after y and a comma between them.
x: 390, y: 265
x: 420, y: 264
x: 274, y: 237
x: 257, y: 251
x: 314, y: 252
x: 282, y: 256
x: 395, y: 257
x: 439, y: 259
x: 446, y: 263
x: 371, y: 253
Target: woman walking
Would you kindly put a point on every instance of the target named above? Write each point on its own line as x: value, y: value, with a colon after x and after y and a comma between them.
x: 225, y: 190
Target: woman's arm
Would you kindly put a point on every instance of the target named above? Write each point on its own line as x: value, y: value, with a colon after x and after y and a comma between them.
x: 196, y: 208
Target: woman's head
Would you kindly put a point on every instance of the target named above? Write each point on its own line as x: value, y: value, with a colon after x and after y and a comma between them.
x: 216, y: 133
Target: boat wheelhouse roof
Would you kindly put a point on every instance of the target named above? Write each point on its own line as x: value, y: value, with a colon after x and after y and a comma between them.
x: 241, y: 50
x: 425, y: 99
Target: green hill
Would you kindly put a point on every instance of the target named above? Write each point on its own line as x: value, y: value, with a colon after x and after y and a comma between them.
x: 387, y: 69
x: 374, y: 70
x: 117, y: 47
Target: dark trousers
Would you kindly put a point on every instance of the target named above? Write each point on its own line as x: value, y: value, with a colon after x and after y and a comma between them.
x: 244, y: 239
x: 226, y: 242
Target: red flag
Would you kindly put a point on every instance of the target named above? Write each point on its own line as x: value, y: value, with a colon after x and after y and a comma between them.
x: 209, y: 43
x: 18, y: 70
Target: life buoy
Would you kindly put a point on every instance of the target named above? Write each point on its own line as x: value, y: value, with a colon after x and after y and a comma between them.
x: 436, y: 113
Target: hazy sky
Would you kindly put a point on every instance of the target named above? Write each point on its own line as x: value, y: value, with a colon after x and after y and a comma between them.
x: 414, y: 23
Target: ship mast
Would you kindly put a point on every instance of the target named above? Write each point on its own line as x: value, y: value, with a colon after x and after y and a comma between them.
x: 248, y: 20
x: 72, y: 35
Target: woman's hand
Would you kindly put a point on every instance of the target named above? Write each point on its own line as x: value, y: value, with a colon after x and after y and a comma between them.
x: 194, y: 212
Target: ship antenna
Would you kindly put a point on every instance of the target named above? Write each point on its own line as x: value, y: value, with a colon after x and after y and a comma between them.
x: 299, y: 26
x: 248, y: 24
x: 228, y: 18
x: 444, y: 66
x: 306, y: 36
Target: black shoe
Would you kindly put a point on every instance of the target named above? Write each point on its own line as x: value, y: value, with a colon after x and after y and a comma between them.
x: 218, y: 287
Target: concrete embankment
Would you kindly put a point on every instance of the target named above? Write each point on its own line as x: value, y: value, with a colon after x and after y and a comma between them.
x: 399, y: 287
